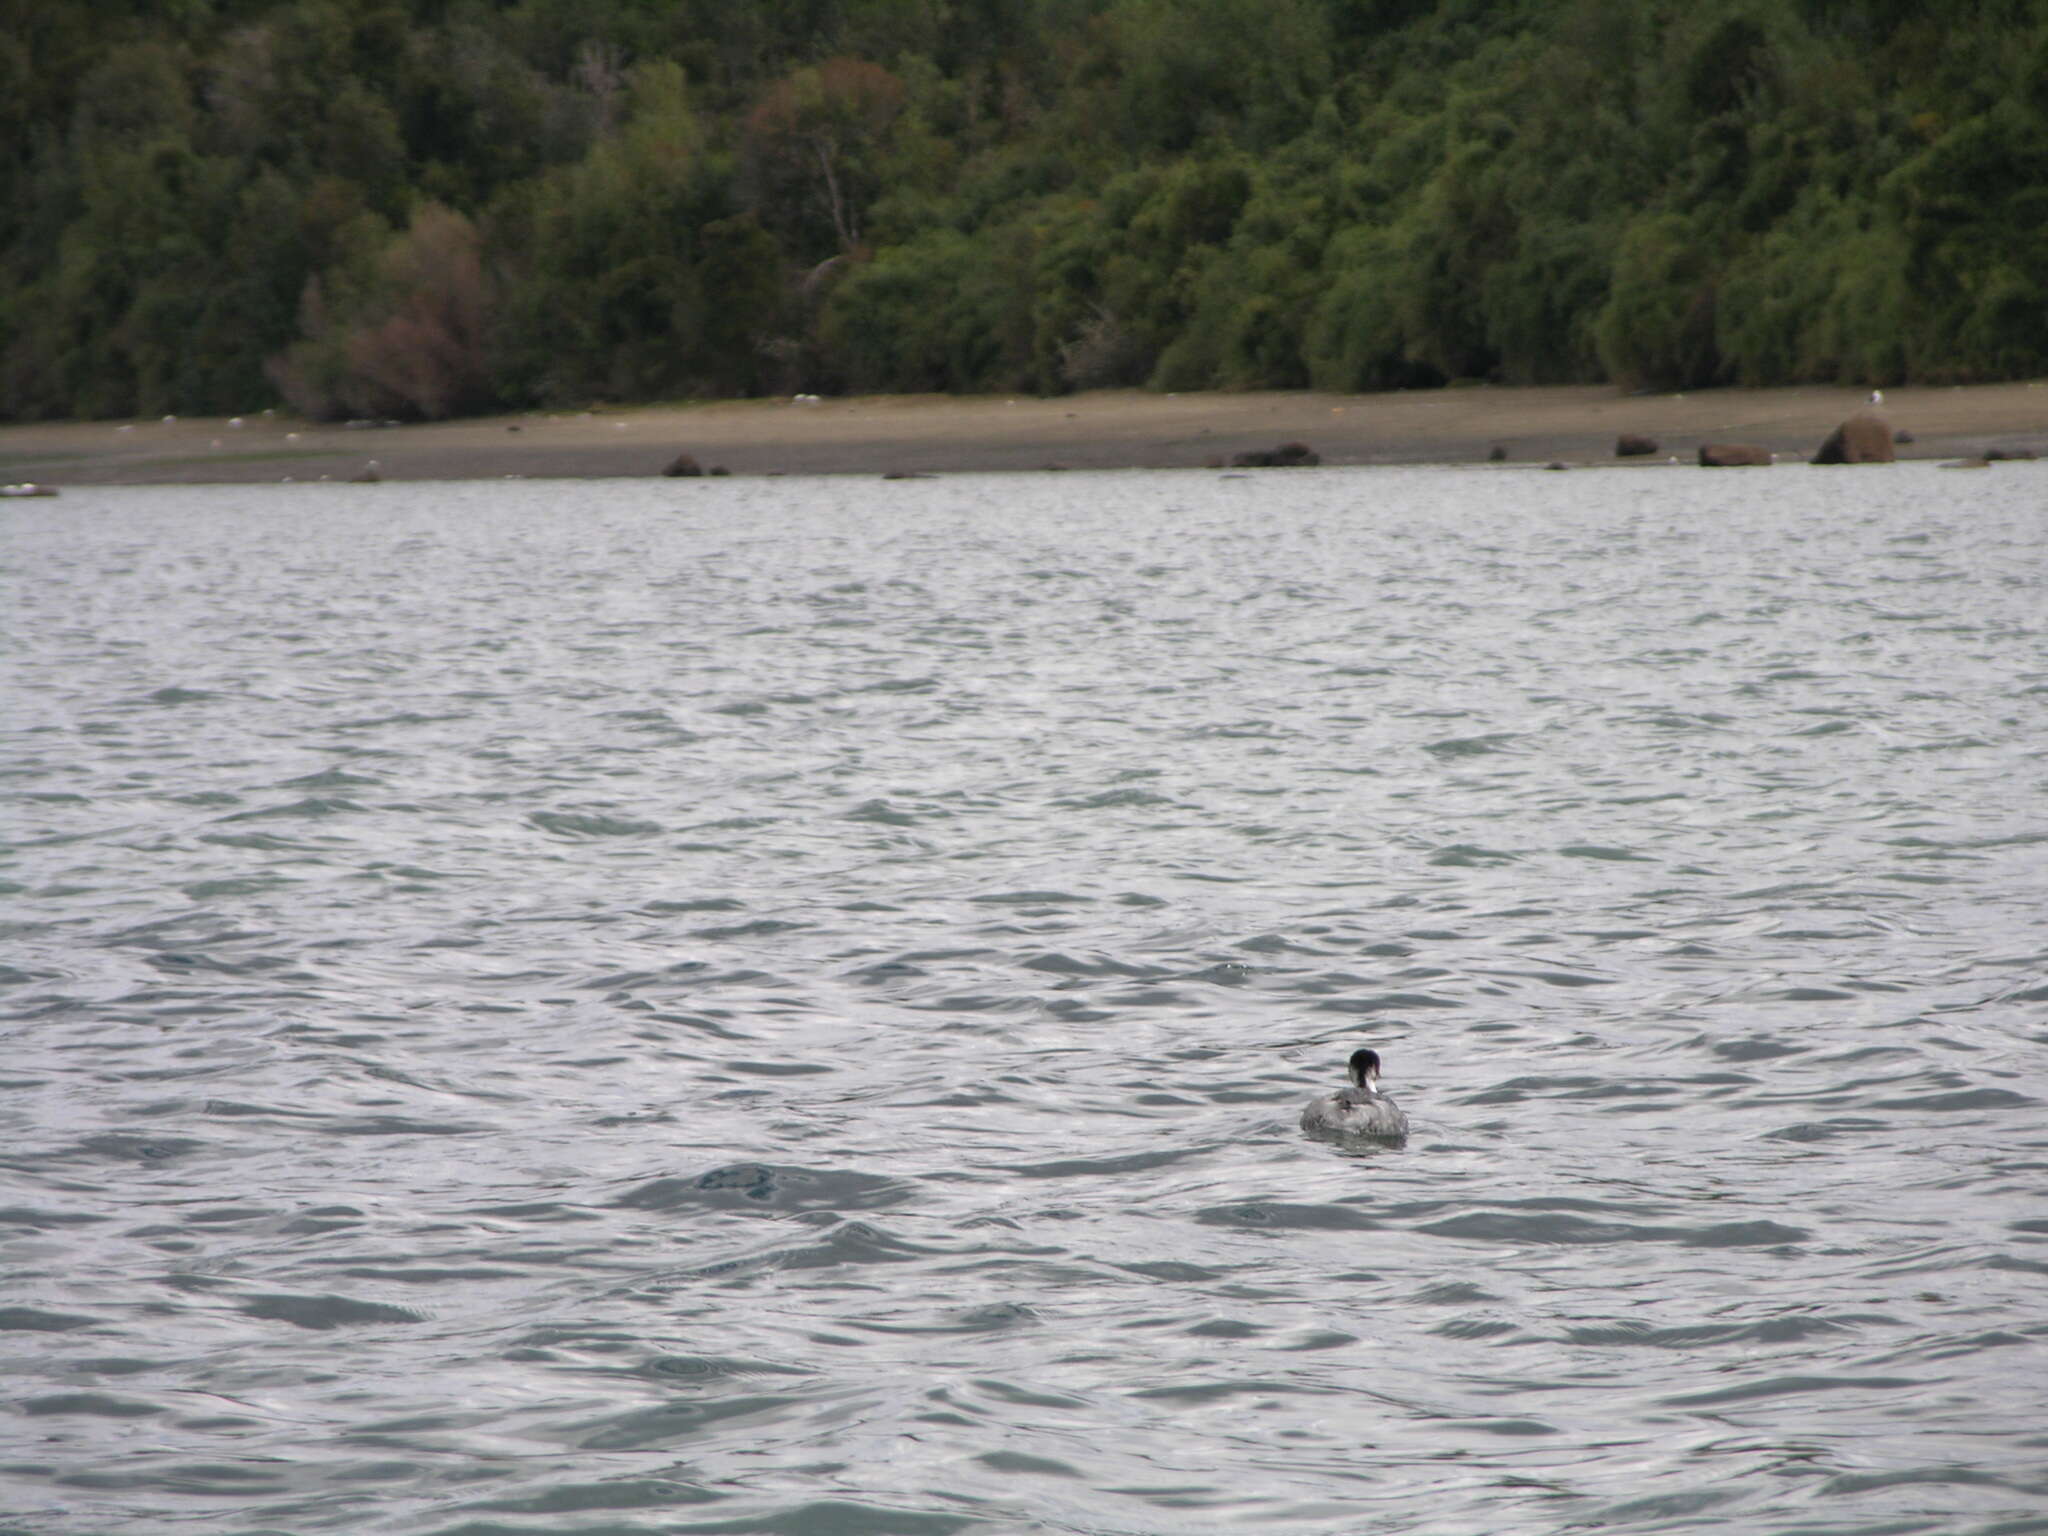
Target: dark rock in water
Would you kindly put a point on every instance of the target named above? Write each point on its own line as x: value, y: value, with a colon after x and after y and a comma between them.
x: 1286, y: 456
x: 719, y: 469
x: 1995, y: 454
x: 1865, y: 438
x: 1633, y: 445
x: 1732, y: 455
x: 1557, y: 464
x: 908, y: 474
x: 1497, y: 454
x: 1902, y: 437
x: 683, y: 466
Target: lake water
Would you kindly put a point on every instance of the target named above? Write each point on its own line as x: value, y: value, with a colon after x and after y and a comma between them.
x: 781, y: 1006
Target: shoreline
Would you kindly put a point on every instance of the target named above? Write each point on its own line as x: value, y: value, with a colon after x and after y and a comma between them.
x: 1119, y: 429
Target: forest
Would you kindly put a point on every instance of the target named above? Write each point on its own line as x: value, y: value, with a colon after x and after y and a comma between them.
x: 423, y: 208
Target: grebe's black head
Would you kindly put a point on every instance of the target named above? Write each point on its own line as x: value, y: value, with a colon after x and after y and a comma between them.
x: 1365, y: 1066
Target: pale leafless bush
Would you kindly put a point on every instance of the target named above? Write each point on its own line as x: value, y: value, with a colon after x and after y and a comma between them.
x: 429, y: 352
x: 1103, y: 355
x: 416, y: 348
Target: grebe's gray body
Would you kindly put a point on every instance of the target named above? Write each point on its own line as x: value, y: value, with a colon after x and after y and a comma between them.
x: 1361, y: 1109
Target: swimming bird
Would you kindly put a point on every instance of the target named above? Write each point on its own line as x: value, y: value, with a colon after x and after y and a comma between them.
x: 1360, y: 1110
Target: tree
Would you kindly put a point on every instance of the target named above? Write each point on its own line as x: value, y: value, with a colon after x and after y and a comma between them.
x: 1657, y: 327
x: 411, y: 342
x: 814, y: 146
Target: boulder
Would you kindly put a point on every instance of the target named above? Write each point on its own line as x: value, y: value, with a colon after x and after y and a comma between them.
x: 1865, y: 438
x: 1732, y: 455
x: 683, y: 465
x: 1286, y: 456
x: 1633, y: 445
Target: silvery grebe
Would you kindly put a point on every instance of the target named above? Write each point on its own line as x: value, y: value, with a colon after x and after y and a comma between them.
x: 1360, y: 1110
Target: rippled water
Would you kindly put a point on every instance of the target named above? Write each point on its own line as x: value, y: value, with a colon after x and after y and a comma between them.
x: 781, y: 1006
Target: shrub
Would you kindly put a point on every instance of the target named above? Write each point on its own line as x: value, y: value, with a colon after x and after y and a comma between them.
x: 413, y: 345
x: 1656, y: 329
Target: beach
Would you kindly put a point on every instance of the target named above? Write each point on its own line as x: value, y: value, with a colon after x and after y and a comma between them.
x: 1574, y: 425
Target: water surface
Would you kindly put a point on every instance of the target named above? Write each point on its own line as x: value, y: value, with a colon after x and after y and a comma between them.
x: 781, y: 1005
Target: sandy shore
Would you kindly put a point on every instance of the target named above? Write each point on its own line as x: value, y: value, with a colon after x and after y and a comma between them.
x: 935, y: 434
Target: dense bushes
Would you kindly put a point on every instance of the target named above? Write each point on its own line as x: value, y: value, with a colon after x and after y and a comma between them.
x: 426, y: 207
x: 405, y: 340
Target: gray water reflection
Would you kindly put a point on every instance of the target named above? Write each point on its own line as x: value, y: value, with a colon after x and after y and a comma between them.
x: 781, y: 1006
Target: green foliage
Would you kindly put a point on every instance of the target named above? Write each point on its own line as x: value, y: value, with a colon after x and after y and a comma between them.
x: 816, y: 145
x: 1178, y: 71
x: 605, y: 298
x: 1251, y: 304
x: 1359, y: 338
x: 1657, y: 328
x: 938, y: 315
x: 416, y: 207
